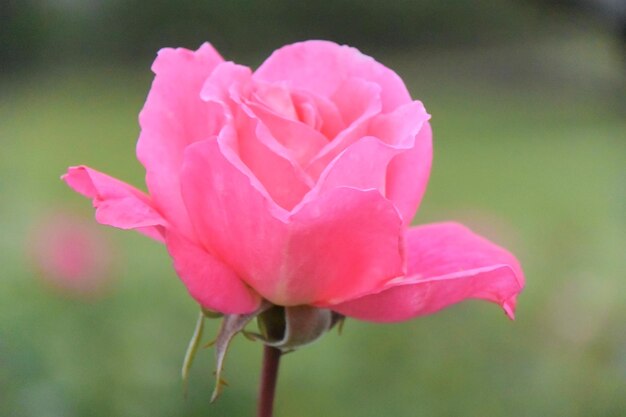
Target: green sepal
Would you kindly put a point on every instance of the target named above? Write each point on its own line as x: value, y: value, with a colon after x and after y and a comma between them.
x: 339, y: 321
x: 271, y: 323
x: 231, y: 325
x: 192, y: 349
x: 289, y: 328
x: 210, y: 314
x: 285, y: 328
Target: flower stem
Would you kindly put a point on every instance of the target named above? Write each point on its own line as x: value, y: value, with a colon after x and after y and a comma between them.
x: 269, y: 376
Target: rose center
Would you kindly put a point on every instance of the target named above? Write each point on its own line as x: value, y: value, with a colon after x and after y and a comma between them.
x: 290, y: 105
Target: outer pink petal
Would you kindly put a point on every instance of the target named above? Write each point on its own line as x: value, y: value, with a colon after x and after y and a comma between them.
x: 231, y: 211
x: 173, y: 117
x: 117, y: 203
x: 299, y: 259
x: 343, y: 244
x: 214, y: 285
x: 399, y: 127
x: 447, y: 263
x: 321, y: 67
x: 407, y: 174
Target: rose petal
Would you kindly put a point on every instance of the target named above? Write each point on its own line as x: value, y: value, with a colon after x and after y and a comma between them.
x: 228, y: 85
x: 299, y: 259
x: 358, y: 116
x: 235, y: 217
x: 300, y: 140
x: 366, y: 164
x: 283, y: 179
x: 250, y: 141
x: 318, y: 112
x: 277, y: 98
x: 214, y: 285
x: 321, y: 67
x: 342, y: 244
x: 356, y: 97
x: 447, y: 263
x: 173, y: 117
x: 407, y: 174
x: 399, y: 127
x: 274, y: 105
x: 117, y: 203
x: 362, y: 165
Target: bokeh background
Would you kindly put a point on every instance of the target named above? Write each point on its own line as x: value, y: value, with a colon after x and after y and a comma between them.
x: 529, y: 114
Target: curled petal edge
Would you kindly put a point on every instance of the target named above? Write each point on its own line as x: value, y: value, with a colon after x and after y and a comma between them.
x: 446, y: 264
x: 404, y: 300
x: 117, y: 203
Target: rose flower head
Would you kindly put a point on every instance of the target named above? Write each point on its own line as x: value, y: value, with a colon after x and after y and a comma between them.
x: 295, y: 186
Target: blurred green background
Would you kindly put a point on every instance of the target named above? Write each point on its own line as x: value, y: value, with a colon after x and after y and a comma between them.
x: 528, y: 103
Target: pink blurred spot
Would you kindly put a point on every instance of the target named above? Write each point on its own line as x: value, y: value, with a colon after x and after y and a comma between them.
x: 71, y: 254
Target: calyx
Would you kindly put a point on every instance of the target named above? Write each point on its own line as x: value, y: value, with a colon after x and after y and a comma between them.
x: 285, y: 328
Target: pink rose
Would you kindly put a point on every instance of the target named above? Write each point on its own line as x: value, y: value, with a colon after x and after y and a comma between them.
x: 296, y: 183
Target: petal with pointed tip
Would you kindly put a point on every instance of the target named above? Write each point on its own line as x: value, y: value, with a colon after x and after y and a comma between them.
x: 117, y: 203
x: 447, y: 263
